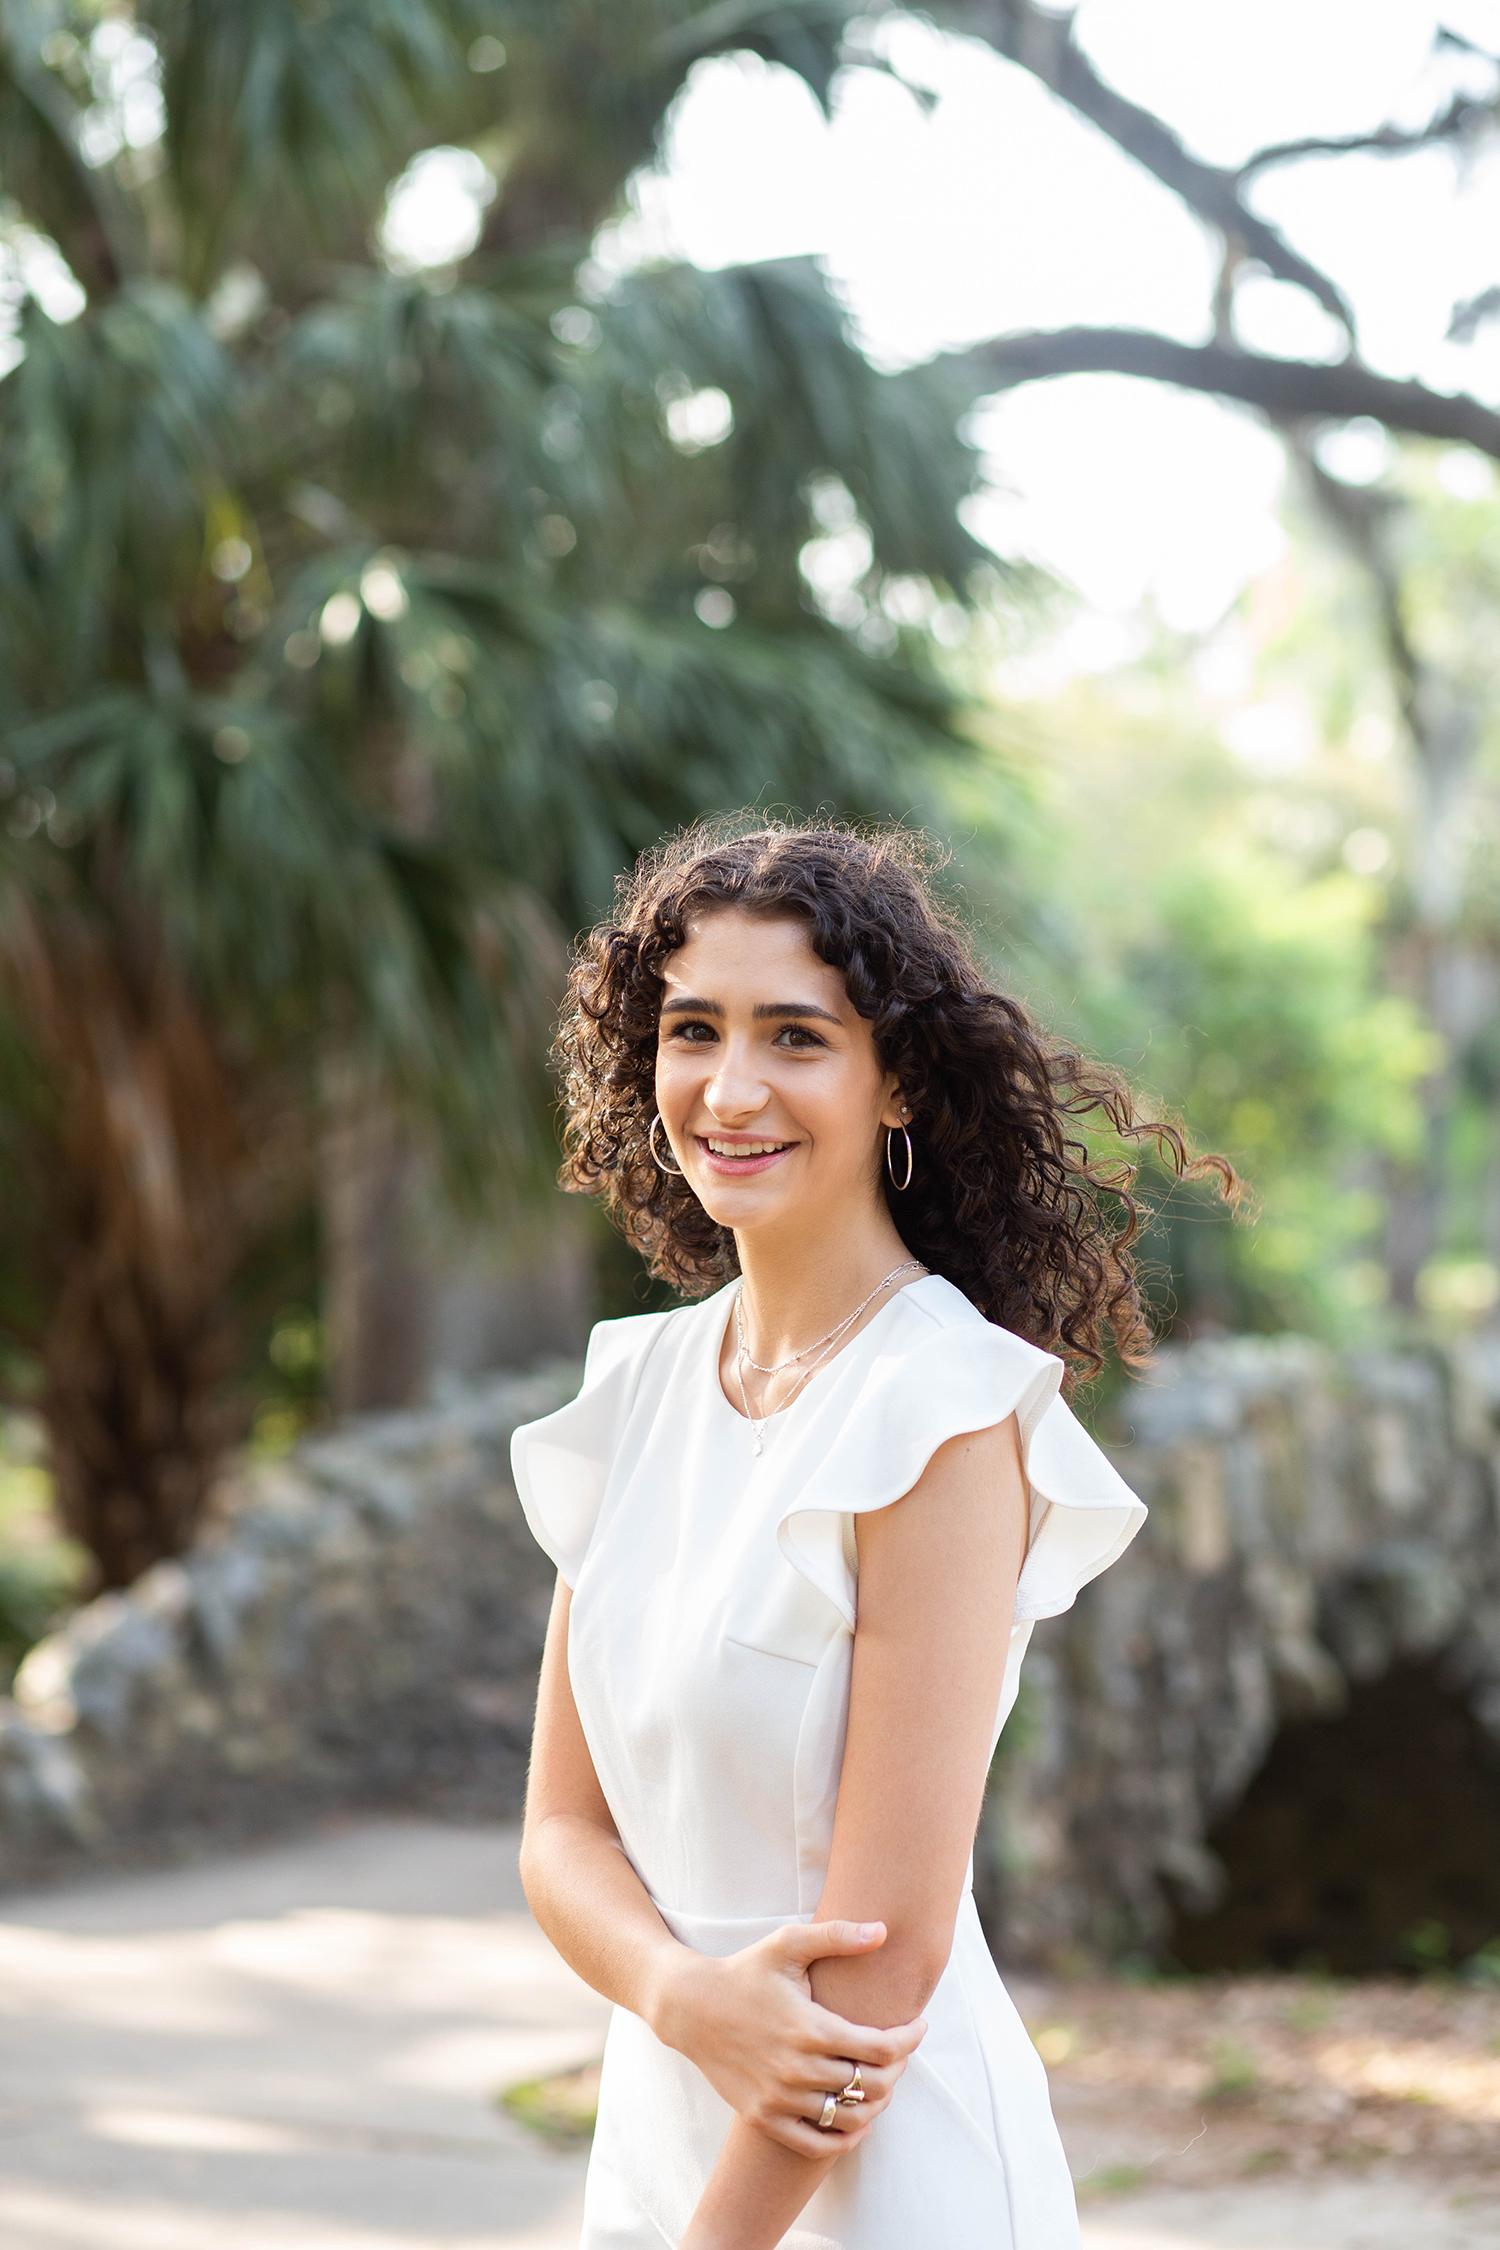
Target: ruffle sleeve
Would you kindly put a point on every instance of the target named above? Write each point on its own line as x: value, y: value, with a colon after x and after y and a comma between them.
x: 560, y: 1463
x: 917, y: 1395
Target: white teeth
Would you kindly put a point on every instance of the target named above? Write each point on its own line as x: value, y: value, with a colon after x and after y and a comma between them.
x: 744, y: 1148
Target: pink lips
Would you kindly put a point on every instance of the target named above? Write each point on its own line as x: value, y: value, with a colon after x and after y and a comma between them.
x: 739, y: 1167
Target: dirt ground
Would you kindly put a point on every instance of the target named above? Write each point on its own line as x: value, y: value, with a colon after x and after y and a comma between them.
x: 1204, y: 2084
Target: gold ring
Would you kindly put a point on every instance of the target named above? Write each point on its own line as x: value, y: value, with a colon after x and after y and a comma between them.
x: 830, y: 2108
x: 854, y: 2093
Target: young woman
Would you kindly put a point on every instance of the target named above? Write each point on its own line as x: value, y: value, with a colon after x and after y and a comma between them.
x: 802, y: 1530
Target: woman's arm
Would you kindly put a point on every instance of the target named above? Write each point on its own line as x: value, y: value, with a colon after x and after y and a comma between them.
x: 937, y: 1589
x: 750, y: 2022
x: 578, y: 1882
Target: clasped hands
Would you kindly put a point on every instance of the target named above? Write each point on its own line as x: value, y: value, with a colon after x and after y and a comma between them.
x: 752, y: 2026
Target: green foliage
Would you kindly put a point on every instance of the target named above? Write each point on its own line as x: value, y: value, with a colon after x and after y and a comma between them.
x: 308, y: 109
x: 40, y: 1574
x: 561, y: 2110
x: 1483, y: 1968
x: 1175, y: 927
x: 358, y: 625
x: 1393, y: 663
x: 1114, y: 2179
x: 1234, y: 2072
x: 36, y: 1589
x: 1427, y: 1947
x: 539, y: 659
x: 1255, y: 1007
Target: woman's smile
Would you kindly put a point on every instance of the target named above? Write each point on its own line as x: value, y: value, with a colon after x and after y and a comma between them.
x: 735, y: 1159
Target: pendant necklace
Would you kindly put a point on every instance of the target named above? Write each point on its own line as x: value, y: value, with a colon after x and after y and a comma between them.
x: 823, y: 1347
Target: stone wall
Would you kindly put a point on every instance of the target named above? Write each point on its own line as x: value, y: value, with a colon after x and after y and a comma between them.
x: 364, y: 1622
x: 1315, y: 1520
x: 361, y: 1623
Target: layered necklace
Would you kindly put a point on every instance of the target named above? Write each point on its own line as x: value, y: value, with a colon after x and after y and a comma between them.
x: 815, y: 1353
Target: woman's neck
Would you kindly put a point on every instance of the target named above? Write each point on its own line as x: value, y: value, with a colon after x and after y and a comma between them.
x: 796, y: 1287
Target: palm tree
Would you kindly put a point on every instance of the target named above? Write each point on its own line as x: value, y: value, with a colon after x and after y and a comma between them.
x: 356, y: 625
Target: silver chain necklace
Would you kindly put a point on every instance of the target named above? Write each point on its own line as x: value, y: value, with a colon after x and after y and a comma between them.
x: 780, y: 1366
x: 823, y: 1347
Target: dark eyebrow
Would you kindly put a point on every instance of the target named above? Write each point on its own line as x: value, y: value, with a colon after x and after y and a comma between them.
x: 769, y: 1010
x: 792, y: 1008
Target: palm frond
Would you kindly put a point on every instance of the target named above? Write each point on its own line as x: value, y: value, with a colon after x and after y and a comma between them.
x: 806, y: 36
x: 412, y: 401
x: 805, y: 398
x: 294, y: 911
x: 41, y: 165
x: 118, y: 434
x: 560, y: 741
x: 308, y: 107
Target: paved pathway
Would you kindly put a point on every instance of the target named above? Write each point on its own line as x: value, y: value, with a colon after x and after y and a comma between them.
x: 298, y: 2049
x: 293, y: 2049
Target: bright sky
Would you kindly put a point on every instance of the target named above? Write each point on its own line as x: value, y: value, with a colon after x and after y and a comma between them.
x: 1001, y: 210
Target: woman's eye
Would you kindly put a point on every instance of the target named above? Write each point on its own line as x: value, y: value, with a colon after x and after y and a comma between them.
x: 700, y: 1034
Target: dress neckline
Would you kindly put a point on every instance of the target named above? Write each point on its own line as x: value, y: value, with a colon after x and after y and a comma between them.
x: 718, y: 1328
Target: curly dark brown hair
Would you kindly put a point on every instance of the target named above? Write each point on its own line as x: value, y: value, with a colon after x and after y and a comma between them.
x: 1005, y: 1200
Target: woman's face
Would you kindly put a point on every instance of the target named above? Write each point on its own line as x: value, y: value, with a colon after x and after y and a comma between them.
x: 767, y: 1079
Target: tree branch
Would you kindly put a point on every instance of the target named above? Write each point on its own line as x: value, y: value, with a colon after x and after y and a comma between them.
x: 1044, y: 45
x: 1470, y: 314
x: 1444, y: 717
x: 1286, y: 389
x: 1448, y: 37
x: 1464, y: 114
x: 1361, y: 516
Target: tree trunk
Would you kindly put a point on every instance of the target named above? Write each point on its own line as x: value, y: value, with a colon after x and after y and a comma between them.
x: 144, y: 1192
x: 1445, y: 725
x: 375, y: 1283
x: 410, y: 1295
x: 513, y: 1293
x: 135, y: 1406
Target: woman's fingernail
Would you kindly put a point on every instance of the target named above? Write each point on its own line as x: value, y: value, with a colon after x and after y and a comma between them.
x: 869, y: 1929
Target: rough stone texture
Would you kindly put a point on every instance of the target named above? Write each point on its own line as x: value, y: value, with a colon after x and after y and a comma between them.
x: 363, y: 1623
x: 1315, y: 1519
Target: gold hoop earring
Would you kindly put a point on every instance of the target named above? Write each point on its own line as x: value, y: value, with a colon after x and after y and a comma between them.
x: 891, y: 1131
x: 673, y: 1171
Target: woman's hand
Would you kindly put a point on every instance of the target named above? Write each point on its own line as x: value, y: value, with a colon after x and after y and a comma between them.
x: 753, y: 2028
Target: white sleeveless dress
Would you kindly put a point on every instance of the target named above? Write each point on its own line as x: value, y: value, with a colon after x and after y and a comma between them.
x: 713, y: 1614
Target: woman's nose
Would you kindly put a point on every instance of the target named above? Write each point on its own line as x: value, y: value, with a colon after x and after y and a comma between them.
x: 737, y: 1088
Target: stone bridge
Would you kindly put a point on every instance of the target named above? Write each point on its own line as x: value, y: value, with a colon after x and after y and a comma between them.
x: 362, y: 1625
